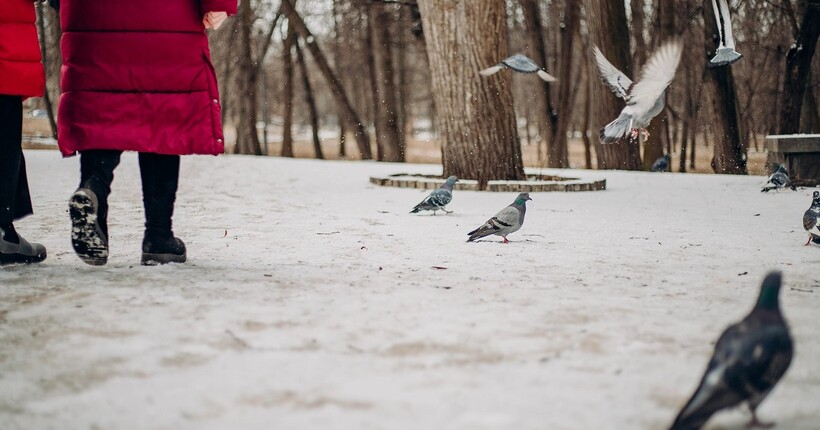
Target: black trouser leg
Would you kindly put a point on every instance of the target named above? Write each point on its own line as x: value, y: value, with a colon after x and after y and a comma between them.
x: 15, y: 201
x: 160, y: 178
x: 96, y: 173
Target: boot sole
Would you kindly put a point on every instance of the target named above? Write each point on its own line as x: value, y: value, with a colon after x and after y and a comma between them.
x: 6, y: 259
x: 87, y: 237
x: 151, y: 259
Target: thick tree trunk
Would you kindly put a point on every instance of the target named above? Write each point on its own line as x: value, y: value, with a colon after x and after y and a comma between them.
x: 547, y: 119
x: 385, y: 115
x: 351, y: 117
x: 247, y: 139
x: 608, y: 30
x: 311, y: 103
x: 798, y: 65
x: 287, y: 92
x: 558, y: 154
x: 729, y: 152
x: 475, y: 114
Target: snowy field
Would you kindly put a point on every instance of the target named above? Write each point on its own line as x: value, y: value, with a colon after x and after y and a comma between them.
x: 311, y: 300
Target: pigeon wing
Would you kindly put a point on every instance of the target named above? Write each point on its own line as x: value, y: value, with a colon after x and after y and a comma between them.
x: 657, y: 75
x: 811, y: 223
x: 612, y: 77
x: 492, y: 70
x: 521, y: 63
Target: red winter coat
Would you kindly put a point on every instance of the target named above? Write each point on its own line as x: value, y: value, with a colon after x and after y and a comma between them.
x: 21, y: 72
x: 137, y: 76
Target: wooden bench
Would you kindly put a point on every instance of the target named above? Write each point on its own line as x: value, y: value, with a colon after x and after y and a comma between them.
x: 801, y: 154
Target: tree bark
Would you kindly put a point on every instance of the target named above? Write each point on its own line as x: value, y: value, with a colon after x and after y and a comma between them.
x: 474, y: 114
x: 247, y: 139
x: 351, y: 117
x: 798, y: 66
x: 287, y: 93
x: 608, y: 30
x: 729, y: 152
x: 547, y: 119
x: 558, y: 154
x: 653, y: 147
x: 384, y: 95
x: 311, y: 103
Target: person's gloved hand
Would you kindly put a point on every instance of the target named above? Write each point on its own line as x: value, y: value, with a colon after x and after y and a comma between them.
x: 214, y: 19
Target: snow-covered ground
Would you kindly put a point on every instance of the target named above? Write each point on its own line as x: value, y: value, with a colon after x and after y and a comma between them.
x: 311, y: 300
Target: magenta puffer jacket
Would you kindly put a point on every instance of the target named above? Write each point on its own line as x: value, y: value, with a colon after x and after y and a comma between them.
x: 137, y: 76
x: 21, y: 72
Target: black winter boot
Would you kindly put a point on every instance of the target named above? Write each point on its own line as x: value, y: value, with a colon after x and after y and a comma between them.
x: 160, y: 177
x: 88, y: 206
x: 15, y: 249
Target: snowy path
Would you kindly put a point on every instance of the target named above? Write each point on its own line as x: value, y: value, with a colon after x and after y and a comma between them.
x: 320, y: 308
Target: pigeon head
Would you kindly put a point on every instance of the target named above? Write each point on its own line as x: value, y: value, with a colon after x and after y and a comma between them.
x: 815, y: 198
x: 781, y: 168
x: 449, y: 183
x: 452, y: 180
x: 769, y: 292
x: 522, y: 199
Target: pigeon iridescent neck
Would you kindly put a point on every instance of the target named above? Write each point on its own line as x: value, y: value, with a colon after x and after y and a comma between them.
x: 769, y: 292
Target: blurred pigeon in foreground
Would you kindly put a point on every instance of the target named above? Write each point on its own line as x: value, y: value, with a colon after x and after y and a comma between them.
x: 750, y: 358
x: 778, y: 180
x: 438, y: 199
x: 725, y: 53
x: 520, y: 63
x: 645, y: 98
x: 506, y: 221
x: 811, y: 219
x: 661, y: 164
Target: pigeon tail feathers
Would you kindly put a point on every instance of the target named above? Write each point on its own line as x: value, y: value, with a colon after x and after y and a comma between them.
x: 724, y: 57
x: 617, y: 129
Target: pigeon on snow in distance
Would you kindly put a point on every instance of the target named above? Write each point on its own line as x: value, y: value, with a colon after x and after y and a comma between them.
x: 506, y: 221
x: 520, y: 63
x: 778, y: 180
x: 645, y: 98
x: 725, y: 53
x: 811, y: 219
x: 750, y: 358
x: 438, y: 199
x: 661, y: 164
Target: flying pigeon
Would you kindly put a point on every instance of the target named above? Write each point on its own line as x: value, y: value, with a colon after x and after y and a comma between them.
x: 506, y: 221
x: 438, y: 199
x: 520, y: 63
x: 661, y: 164
x: 778, y: 180
x: 725, y: 53
x: 811, y: 219
x: 750, y: 358
x: 645, y: 98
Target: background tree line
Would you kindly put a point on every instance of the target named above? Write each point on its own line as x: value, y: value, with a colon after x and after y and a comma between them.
x: 379, y: 72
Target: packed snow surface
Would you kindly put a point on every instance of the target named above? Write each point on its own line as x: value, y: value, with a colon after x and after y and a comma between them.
x: 313, y: 300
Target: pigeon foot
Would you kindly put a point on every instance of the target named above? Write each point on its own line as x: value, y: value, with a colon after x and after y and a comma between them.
x: 447, y: 212
x: 645, y: 133
x: 759, y: 424
x: 808, y: 241
x: 634, y: 133
x: 505, y: 240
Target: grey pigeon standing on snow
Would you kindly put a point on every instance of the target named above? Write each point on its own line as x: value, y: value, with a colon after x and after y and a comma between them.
x: 750, y: 358
x: 811, y: 219
x: 645, y: 98
x: 438, y: 199
x: 725, y: 53
x: 661, y: 164
x: 521, y: 64
x: 778, y: 180
x: 506, y: 221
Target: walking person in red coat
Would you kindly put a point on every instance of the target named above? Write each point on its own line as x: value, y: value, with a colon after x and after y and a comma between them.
x: 137, y: 76
x: 21, y: 76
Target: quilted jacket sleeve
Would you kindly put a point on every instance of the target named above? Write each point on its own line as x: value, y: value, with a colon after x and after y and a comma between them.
x: 218, y: 6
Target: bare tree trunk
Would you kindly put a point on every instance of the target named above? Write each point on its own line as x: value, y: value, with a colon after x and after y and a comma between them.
x: 729, y: 153
x: 638, y: 19
x: 798, y: 65
x: 558, y: 154
x: 608, y: 30
x: 547, y: 120
x: 247, y: 139
x: 351, y: 117
x: 287, y: 92
x: 41, y: 30
x: 337, y: 42
x: 311, y: 103
x: 475, y: 114
x: 587, y: 116
x: 384, y: 94
x: 403, y: 84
